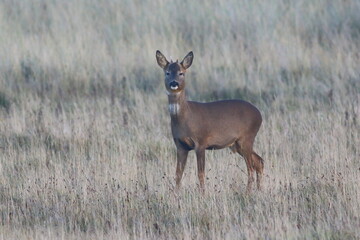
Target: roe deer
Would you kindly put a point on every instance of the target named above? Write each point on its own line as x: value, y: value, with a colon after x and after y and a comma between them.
x: 214, y: 125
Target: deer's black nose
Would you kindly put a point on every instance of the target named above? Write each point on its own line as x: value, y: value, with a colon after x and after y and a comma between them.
x: 174, y: 85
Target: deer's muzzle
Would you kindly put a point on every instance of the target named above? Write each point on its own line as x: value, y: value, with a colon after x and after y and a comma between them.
x: 174, y: 85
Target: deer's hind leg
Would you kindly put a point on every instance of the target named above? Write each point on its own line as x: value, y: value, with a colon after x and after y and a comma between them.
x: 253, y: 162
x: 245, y: 150
x: 258, y: 164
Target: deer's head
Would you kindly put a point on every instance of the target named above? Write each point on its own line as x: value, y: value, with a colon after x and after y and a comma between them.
x: 174, y: 71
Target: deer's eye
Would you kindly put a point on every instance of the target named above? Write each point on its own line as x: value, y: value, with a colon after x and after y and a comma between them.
x: 181, y: 74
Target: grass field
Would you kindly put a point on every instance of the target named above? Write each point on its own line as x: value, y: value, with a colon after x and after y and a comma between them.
x: 85, y: 143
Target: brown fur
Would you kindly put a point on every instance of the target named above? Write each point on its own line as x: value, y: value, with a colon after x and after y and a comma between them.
x: 214, y: 125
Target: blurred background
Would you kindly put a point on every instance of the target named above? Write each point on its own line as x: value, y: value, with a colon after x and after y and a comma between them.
x: 85, y: 135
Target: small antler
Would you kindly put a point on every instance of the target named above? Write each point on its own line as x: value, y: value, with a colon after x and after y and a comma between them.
x: 171, y: 61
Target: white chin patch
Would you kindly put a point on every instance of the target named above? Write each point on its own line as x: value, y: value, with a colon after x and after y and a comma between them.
x: 174, y: 87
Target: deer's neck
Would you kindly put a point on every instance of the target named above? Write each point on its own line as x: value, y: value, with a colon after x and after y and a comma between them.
x: 177, y: 104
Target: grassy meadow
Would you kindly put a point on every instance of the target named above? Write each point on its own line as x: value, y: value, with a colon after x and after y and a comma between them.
x: 85, y: 144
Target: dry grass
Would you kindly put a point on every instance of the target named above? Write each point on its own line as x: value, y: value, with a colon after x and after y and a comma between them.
x: 85, y: 144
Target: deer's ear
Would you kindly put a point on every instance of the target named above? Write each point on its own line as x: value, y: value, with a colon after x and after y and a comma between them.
x: 161, y: 59
x: 188, y: 59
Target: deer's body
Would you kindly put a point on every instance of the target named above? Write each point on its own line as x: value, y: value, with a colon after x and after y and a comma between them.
x: 214, y: 125
x: 194, y: 125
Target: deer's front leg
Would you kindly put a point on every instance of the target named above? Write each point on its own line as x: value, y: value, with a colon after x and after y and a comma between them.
x: 200, y: 155
x: 180, y: 165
